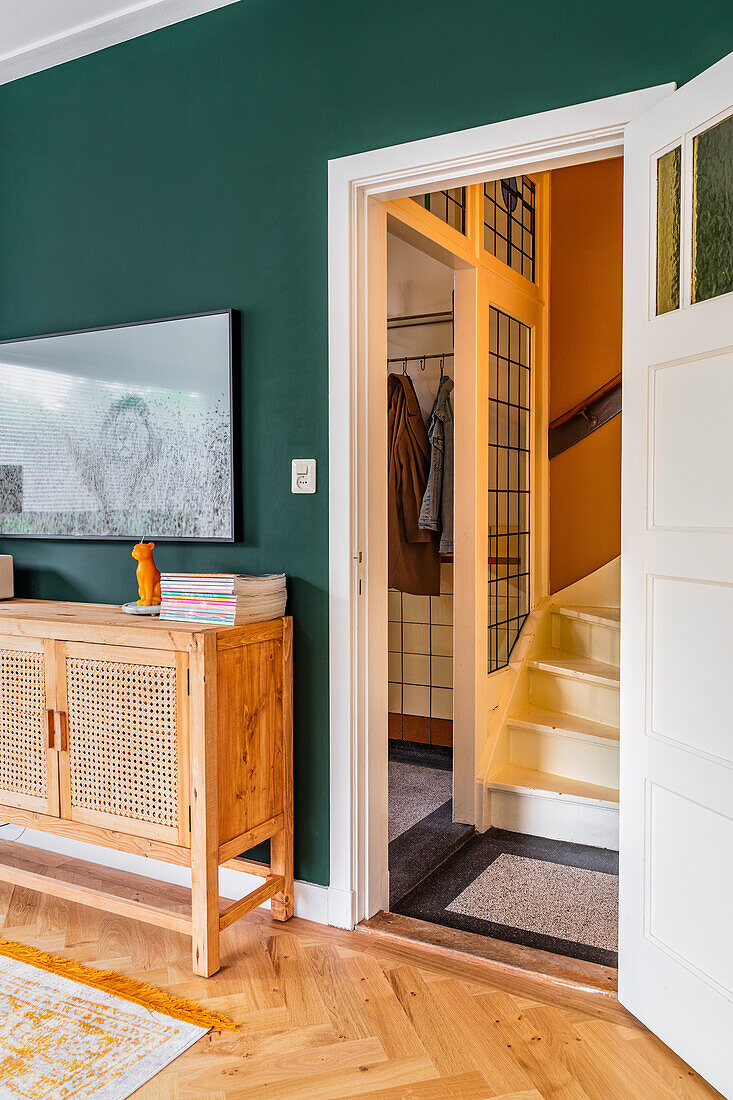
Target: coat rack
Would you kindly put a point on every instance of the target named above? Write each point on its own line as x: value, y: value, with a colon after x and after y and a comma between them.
x: 421, y: 359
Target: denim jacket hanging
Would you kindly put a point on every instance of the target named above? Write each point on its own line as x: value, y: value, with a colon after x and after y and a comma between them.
x: 436, y: 513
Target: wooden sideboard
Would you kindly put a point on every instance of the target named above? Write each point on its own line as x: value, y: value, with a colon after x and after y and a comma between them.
x: 164, y: 739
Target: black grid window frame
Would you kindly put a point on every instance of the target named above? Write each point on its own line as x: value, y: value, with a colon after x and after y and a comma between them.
x: 449, y: 205
x: 510, y: 234
x: 509, y: 484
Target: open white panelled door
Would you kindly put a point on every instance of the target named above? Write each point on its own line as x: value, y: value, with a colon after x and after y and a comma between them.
x: 676, y: 946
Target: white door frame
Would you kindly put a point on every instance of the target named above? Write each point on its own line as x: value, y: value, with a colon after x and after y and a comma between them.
x: 357, y: 460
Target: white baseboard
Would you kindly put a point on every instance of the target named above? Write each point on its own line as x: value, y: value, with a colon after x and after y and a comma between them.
x: 483, y: 816
x: 312, y: 902
x: 341, y: 908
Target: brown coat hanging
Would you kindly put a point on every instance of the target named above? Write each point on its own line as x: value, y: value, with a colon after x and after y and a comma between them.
x: 414, y: 562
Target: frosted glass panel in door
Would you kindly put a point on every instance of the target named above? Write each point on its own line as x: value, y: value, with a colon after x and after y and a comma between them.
x: 712, y: 232
x: 668, y: 230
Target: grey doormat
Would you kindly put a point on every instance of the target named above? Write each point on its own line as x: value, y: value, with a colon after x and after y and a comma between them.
x: 542, y: 893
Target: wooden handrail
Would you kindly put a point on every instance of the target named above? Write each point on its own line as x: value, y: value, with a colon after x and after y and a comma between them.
x: 582, y: 405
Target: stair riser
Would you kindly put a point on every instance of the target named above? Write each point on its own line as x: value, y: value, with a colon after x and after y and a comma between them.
x: 558, y: 754
x: 575, y: 822
x: 588, y: 639
x: 588, y: 700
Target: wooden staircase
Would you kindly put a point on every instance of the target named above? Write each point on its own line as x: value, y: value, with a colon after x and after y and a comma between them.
x: 561, y: 777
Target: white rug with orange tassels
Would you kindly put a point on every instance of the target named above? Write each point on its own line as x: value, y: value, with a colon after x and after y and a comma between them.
x: 68, y: 1031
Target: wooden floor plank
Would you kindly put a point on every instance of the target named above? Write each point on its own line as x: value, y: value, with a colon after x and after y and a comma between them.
x: 345, y: 1008
x: 603, y: 1068
x: 236, y: 1074
x: 467, y: 1086
x: 644, y: 1073
x: 538, y: 1060
x: 386, y: 1016
x: 162, y: 1087
x: 436, y: 1032
x: 297, y: 981
x: 395, y: 1073
x: 497, y: 1063
x: 681, y: 1081
x: 325, y: 1014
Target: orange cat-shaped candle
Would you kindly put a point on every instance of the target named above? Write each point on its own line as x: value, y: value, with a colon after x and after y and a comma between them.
x: 148, y: 576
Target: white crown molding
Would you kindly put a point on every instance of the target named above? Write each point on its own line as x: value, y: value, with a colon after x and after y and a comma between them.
x: 85, y: 38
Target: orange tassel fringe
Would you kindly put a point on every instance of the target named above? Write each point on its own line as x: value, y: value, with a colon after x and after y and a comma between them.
x: 109, y: 981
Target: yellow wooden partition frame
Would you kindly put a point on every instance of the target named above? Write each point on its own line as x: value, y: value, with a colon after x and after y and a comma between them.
x: 481, y: 281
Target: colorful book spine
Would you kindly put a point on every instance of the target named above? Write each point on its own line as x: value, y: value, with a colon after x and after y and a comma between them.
x: 221, y: 598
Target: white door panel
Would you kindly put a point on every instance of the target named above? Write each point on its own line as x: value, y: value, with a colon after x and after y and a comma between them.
x: 692, y: 925
x: 687, y: 618
x: 676, y: 848
x: 690, y: 443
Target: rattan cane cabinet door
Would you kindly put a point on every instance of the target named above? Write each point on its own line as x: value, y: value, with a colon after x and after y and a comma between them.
x: 28, y: 769
x: 126, y: 763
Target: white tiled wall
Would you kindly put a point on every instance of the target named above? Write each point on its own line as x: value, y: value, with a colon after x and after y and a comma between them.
x: 421, y: 651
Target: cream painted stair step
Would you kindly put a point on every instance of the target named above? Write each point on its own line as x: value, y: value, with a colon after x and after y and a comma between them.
x: 562, y: 743
x: 541, y: 720
x: 525, y: 800
x: 602, y: 616
x: 520, y: 780
x: 590, y: 631
x: 576, y: 667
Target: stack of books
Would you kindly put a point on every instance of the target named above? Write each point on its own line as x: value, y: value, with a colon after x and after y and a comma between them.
x: 222, y: 598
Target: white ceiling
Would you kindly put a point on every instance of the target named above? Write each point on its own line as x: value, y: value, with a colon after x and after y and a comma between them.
x: 36, y: 34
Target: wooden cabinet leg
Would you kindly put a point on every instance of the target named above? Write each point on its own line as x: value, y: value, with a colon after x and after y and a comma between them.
x: 205, y: 917
x: 281, y: 863
x: 281, y: 845
x: 204, y: 807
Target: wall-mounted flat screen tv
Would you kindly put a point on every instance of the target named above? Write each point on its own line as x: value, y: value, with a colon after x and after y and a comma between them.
x: 120, y: 432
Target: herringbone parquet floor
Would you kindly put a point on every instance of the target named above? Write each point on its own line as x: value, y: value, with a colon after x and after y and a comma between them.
x: 326, y: 1014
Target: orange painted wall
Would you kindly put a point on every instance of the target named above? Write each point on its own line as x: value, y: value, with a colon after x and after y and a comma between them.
x: 586, y: 261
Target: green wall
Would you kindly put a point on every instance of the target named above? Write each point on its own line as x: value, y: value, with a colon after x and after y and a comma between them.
x: 186, y: 171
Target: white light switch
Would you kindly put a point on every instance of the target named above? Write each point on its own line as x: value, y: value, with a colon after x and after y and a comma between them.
x: 304, y: 475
